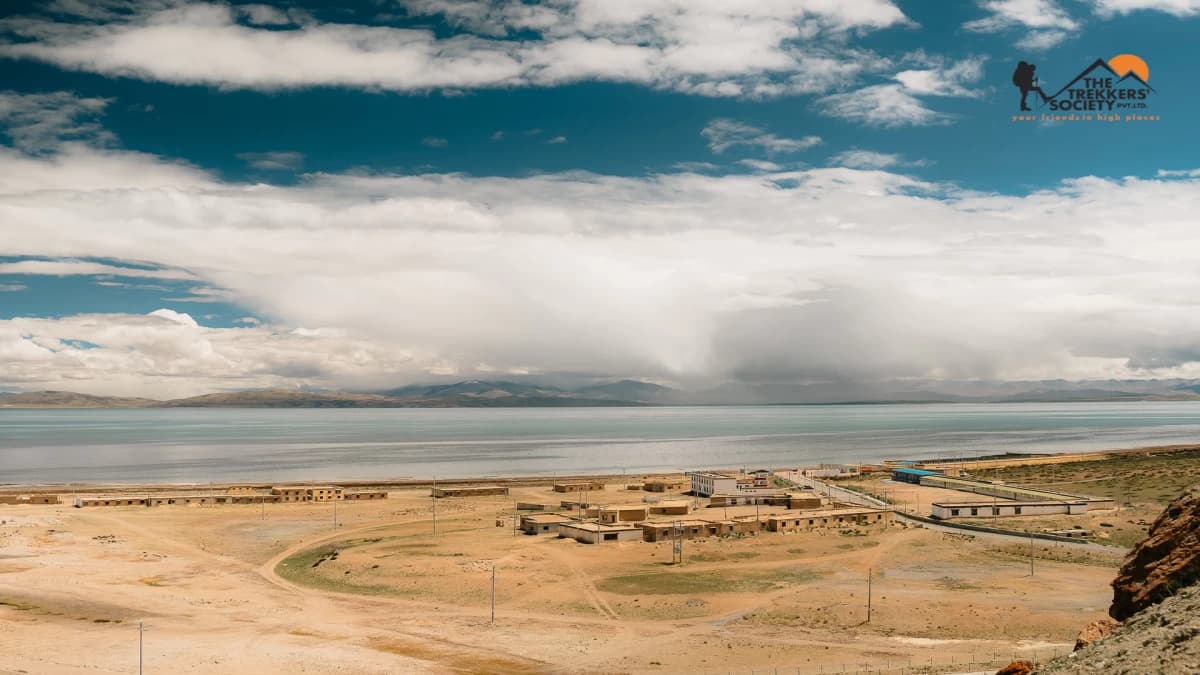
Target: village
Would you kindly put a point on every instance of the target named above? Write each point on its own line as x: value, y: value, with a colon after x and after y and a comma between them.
x: 682, y: 571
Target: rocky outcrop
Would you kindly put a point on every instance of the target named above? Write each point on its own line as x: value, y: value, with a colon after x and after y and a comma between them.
x: 1094, y: 631
x: 1167, y: 560
x: 1162, y: 639
x: 1018, y: 667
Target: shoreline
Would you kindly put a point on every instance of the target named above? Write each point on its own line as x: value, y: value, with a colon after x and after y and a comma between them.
x: 994, y: 461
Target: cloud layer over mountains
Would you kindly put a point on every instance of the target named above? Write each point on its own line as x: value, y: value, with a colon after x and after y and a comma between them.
x: 821, y: 274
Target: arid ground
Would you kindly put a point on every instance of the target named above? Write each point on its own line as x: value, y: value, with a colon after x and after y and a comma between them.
x: 231, y: 589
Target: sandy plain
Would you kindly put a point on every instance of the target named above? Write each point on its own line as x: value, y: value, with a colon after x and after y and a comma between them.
x: 240, y: 588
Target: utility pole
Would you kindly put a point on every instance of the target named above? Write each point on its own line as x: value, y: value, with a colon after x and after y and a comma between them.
x: 335, y: 512
x: 141, y: 629
x: 263, y: 508
x: 1031, y: 553
x: 868, y: 595
x: 434, y: 514
x: 493, y: 593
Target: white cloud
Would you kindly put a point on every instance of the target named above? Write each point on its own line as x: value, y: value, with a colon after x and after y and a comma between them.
x: 901, y: 104
x: 760, y: 165
x: 497, y: 136
x: 434, y: 142
x: 13, y: 288
x: 771, y: 276
x: 38, y: 122
x: 865, y: 159
x: 62, y: 268
x: 167, y: 354
x: 723, y: 134
x: 1041, y: 40
x: 557, y: 140
x: 1037, y: 14
x: 1180, y: 8
x: 704, y: 48
x: 273, y: 161
x: 264, y: 15
x: 1047, y: 23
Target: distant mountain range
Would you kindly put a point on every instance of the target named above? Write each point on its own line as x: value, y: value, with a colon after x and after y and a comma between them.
x: 496, y: 394
x: 468, y: 394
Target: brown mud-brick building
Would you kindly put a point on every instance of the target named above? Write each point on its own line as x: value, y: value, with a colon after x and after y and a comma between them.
x: 663, y: 485
x: 307, y: 493
x: 468, y: 491
x: 623, y: 514
x: 579, y: 486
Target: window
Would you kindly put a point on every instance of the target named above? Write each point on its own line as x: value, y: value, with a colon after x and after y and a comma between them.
x: 995, y: 510
x: 1017, y: 509
x: 974, y: 512
x: 954, y: 512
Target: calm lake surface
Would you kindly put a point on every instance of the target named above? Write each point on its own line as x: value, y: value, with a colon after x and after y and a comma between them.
x: 199, y: 445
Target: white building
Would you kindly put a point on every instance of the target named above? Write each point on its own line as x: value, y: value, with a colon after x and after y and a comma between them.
x: 709, y: 483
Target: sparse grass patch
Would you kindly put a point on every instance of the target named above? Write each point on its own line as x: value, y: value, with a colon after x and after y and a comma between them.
x: 678, y: 582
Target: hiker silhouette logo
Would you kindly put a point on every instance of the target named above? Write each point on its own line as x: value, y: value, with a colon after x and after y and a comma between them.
x: 1118, y: 85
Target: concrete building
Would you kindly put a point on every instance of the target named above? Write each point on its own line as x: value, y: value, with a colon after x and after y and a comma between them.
x: 1005, y: 509
x: 766, y: 498
x: 543, y: 523
x: 663, y: 485
x: 709, y: 483
x: 623, y: 514
x: 468, y: 491
x: 599, y: 533
x: 579, y: 486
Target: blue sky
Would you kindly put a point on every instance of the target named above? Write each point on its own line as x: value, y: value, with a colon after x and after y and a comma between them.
x: 278, y: 173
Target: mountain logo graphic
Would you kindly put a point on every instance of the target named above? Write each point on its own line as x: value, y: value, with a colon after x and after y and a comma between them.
x: 1120, y: 84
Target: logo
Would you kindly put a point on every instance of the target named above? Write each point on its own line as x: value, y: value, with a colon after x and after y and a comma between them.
x: 1112, y: 90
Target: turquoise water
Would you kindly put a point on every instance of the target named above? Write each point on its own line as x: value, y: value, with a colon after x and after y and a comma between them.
x: 198, y: 445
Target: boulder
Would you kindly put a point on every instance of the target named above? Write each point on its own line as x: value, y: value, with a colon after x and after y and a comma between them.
x: 1167, y: 560
x: 1095, y: 630
x: 1018, y: 667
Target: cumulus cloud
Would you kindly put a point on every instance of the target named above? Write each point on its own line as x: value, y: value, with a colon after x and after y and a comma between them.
x: 805, y: 275
x: 723, y: 134
x: 273, y: 161
x: 1046, y: 22
x: 901, y: 104
x: 168, y: 354
x: 711, y: 49
x: 1181, y: 8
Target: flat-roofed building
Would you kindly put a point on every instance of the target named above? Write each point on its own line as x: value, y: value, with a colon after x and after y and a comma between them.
x: 1005, y: 509
x: 307, y: 493
x: 599, y: 533
x: 468, y: 491
x: 680, y: 507
x: 29, y: 499
x: 579, y: 486
x: 365, y: 495
x: 623, y: 514
x: 543, y: 523
x: 664, y: 485
x: 810, y: 520
x: 709, y: 483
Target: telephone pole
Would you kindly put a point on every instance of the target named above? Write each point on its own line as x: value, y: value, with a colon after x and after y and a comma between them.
x: 493, y: 593
x: 868, y: 595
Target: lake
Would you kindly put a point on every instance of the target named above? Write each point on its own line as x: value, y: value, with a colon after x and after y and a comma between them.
x: 200, y: 445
